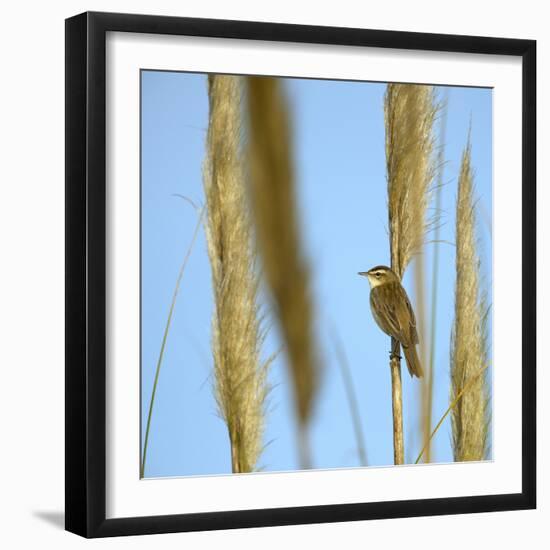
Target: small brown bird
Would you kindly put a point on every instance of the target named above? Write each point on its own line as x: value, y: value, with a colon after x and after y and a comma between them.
x: 393, y: 313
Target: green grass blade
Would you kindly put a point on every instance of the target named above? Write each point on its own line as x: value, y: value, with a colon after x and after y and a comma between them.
x: 163, y: 344
x: 352, y: 397
x: 449, y: 409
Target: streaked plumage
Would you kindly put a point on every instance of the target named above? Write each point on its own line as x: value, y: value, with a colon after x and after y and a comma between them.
x: 393, y: 313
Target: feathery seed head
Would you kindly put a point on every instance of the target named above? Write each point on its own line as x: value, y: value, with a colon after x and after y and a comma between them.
x: 410, y: 112
x: 470, y: 417
x: 240, y: 375
x: 276, y: 219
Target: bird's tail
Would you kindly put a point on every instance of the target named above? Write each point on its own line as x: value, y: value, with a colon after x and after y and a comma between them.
x: 413, y: 362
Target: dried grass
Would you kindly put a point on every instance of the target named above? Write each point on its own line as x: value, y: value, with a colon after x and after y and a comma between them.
x: 470, y: 417
x: 277, y: 229
x: 240, y: 375
x: 409, y: 111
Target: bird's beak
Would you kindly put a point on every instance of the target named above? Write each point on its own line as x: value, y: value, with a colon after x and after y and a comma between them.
x: 363, y: 273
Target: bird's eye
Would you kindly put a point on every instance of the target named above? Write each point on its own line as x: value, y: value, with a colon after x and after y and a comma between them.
x: 377, y: 274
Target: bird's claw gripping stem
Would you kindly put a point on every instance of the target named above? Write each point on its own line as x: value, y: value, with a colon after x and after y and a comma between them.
x: 394, y: 352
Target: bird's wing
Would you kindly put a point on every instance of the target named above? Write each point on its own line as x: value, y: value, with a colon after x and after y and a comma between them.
x: 384, y: 311
x: 412, y: 320
x: 394, y: 313
x: 407, y: 320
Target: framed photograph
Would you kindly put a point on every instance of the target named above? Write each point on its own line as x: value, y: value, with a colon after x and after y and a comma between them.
x: 282, y: 299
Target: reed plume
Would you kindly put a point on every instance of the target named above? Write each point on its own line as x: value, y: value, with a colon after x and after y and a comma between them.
x: 470, y: 417
x: 277, y: 231
x: 409, y: 112
x: 240, y: 375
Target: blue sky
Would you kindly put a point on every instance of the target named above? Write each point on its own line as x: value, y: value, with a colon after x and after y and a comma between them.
x: 338, y: 131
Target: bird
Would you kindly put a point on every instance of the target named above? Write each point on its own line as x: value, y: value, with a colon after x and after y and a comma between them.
x: 394, y: 314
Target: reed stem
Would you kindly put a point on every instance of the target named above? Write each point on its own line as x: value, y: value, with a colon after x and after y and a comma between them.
x: 304, y: 447
x: 397, y: 405
x: 409, y: 112
x: 428, y: 383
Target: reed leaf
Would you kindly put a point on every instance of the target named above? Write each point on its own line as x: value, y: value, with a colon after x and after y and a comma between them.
x: 351, y: 397
x: 427, y: 391
x: 421, y: 325
x: 239, y: 373
x: 470, y: 417
x: 278, y: 237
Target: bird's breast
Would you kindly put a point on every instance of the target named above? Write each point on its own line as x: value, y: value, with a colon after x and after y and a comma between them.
x: 377, y: 308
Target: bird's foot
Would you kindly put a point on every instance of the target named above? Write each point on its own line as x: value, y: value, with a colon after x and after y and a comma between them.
x: 394, y: 355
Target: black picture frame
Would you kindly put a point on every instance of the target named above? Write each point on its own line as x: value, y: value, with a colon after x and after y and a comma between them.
x: 86, y: 274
